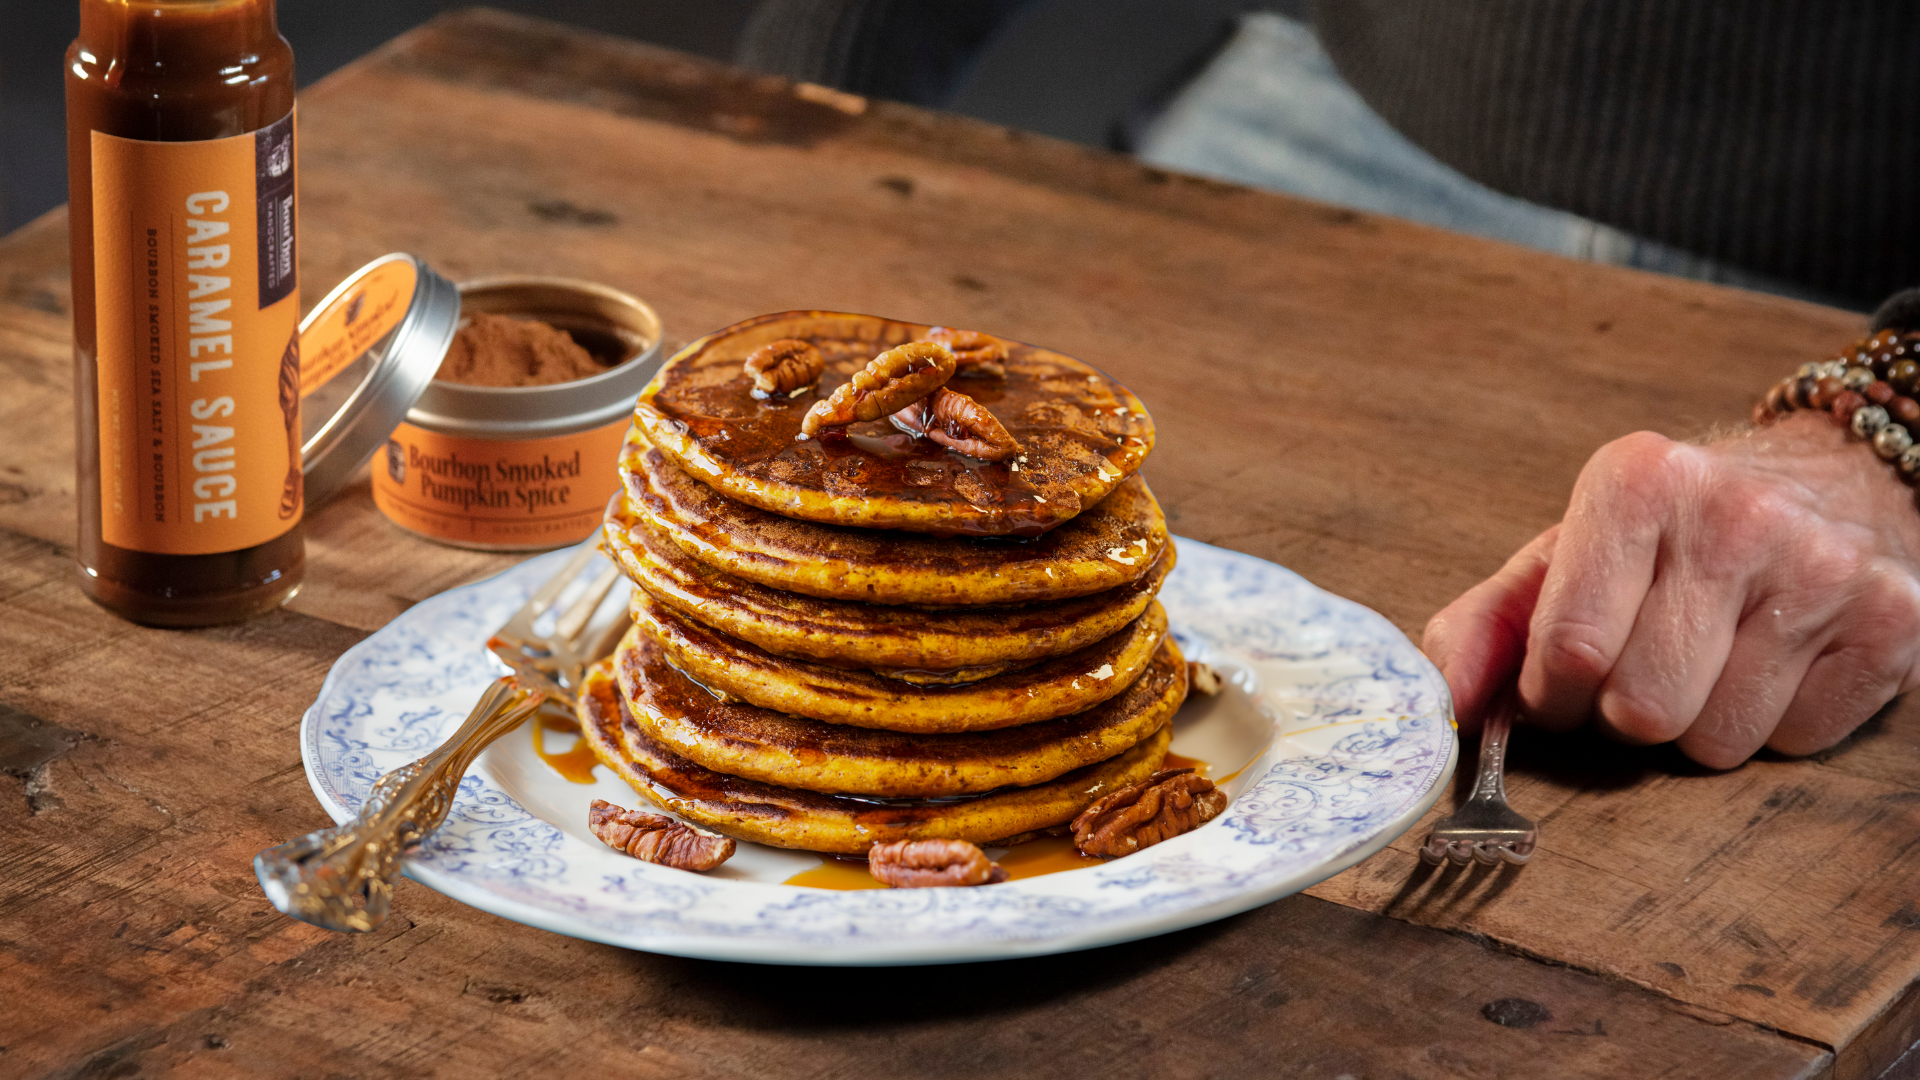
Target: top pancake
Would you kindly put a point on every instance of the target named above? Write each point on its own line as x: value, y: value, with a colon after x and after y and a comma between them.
x: 1080, y: 432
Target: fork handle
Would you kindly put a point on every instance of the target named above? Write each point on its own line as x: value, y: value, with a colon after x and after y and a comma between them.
x: 342, y: 878
x: 1490, y: 781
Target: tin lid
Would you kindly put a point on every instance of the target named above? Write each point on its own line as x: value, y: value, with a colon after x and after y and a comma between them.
x: 367, y: 353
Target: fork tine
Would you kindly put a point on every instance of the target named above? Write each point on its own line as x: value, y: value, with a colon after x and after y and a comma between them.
x: 545, y: 596
x: 599, y: 640
x: 576, y: 617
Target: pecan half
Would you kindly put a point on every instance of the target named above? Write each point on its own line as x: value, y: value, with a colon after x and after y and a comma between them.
x: 656, y: 839
x: 925, y: 864
x: 784, y: 366
x: 887, y: 384
x: 1161, y: 807
x: 1203, y: 679
x: 958, y: 422
x: 975, y: 355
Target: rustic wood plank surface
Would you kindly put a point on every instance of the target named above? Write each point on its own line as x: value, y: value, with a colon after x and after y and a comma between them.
x: 1385, y: 408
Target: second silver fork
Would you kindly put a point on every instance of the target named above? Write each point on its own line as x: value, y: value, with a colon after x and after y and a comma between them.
x: 1485, y: 829
x: 342, y: 878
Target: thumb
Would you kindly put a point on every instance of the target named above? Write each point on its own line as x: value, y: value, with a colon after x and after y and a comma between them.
x: 1479, y: 640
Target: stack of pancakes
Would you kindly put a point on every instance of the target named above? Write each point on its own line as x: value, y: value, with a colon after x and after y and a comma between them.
x: 866, y: 637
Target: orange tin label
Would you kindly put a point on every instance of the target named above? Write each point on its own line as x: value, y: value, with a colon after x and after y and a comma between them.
x: 199, y: 358
x: 499, y: 493
x: 355, y: 322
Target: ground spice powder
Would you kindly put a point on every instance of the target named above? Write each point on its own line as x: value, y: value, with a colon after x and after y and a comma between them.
x: 499, y: 350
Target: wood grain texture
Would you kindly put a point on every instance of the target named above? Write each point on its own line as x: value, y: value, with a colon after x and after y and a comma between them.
x: 1385, y: 408
x: 133, y: 941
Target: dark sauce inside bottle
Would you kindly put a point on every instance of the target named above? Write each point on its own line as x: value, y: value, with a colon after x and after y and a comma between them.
x: 166, y: 71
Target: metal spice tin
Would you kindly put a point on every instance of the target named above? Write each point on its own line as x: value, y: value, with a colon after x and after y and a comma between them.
x: 522, y: 468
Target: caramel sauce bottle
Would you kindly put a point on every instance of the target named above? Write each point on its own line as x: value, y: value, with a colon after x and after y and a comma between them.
x: 181, y: 165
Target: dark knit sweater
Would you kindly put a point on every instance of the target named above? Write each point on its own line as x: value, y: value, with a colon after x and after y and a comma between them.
x: 1778, y: 135
x: 1781, y: 136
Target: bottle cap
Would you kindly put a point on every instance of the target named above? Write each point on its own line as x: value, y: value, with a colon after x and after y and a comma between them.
x: 367, y: 353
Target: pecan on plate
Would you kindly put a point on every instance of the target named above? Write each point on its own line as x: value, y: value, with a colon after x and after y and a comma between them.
x: 958, y: 422
x: 1161, y: 807
x: 1204, y: 679
x: 656, y: 839
x: 888, y: 383
x: 784, y: 367
x: 975, y: 355
x: 924, y: 864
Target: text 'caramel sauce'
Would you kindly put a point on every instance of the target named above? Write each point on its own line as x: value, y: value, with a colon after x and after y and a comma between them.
x: 190, y: 368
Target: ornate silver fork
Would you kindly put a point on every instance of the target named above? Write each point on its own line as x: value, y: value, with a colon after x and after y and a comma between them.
x: 1485, y: 829
x: 342, y: 878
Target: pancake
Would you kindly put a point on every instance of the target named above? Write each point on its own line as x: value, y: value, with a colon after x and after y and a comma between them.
x: 1080, y: 435
x: 1112, y: 544
x: 1059, y: 687
x: 925, y: 646
x: 743, y: 740
x: 783, y: 817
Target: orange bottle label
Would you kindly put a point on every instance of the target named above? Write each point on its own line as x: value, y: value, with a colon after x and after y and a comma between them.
x: 522, y: 493
x: 199, y: 359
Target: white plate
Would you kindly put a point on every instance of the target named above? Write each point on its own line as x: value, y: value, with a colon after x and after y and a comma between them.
x: 1343, y: 728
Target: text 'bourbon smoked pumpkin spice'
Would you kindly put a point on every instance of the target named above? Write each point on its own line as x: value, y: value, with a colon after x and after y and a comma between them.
x: 514, y: 445
x: 491, y: 413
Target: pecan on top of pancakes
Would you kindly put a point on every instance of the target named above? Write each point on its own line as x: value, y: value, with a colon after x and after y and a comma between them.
x: 1080, y: 434
x: 787, y: 367
x: 957, y: 422
x: 976, y: 356
x: 890, y: 382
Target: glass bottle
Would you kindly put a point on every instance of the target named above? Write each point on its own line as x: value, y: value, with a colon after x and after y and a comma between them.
x: 181, y: 169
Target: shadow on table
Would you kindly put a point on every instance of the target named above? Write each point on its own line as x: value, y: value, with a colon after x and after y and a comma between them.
x: 816, y: 998
x: 1586, y: 760
x: 1583, y: 759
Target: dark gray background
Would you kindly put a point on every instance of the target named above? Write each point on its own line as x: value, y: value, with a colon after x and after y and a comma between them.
x: 1075, y: 69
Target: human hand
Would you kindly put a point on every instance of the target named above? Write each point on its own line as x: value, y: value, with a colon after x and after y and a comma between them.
x: 1759, y: 591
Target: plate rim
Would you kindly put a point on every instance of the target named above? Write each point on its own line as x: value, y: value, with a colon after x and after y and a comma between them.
x: 884, y: 952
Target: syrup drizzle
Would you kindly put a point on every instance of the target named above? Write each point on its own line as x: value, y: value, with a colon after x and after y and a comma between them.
x: 1035, y: 858
x: 576, y: 764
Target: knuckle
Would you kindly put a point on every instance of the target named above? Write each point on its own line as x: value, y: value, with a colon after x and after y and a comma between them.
x: 1570, y: 651
x: 1640, y: 717
x: 1823, y: 562
x: 1891, y: 605
x: 1846, y: 688
x: 1719, y: 753
x: 1640, y: 476
x: 1437, y: 638
x: 1747, y: 519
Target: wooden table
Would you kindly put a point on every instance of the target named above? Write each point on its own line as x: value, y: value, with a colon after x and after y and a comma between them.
x: 1385, y: 408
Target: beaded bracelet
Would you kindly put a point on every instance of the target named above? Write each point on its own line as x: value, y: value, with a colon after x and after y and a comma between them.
x: 1870, y: 387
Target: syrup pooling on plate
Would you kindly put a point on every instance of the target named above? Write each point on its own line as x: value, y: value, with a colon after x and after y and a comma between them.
x: 1035, y: 858
x: 576, y: 764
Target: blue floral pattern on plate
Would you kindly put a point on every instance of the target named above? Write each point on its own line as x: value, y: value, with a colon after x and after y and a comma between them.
x: 1365, y: 745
